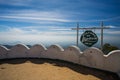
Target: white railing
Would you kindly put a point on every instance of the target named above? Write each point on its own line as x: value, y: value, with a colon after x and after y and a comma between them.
x: 92, y: 57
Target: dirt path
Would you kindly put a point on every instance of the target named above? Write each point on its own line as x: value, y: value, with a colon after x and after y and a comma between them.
x: 43, y: 69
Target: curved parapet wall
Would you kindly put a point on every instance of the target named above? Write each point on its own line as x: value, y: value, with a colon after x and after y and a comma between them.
x: 72, y: 54
x: 112, y: 61
x: 18, y: 51
x: 92, y: 57
x: 3, y: 52
x: 36, y: 51
x: 53, y: 52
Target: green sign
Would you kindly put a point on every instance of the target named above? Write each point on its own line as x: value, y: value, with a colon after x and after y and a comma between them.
x: 89, y: 38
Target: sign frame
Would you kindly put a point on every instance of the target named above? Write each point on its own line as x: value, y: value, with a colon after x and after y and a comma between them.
x: 89, y: 38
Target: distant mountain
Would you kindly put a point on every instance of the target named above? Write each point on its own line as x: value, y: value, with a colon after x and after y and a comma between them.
x: 29, y: 46
x: 10, y: 46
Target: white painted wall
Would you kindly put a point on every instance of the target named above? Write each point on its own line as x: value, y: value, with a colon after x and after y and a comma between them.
x: 92, y: 57
x: 18, y: 51
x: 3, y: 52
x: 36, y: 51
x: 53, y: 52
x: 72, y: 54
x: 112, y: 61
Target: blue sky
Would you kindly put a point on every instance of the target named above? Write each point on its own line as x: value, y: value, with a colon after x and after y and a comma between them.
x: 50, y: 21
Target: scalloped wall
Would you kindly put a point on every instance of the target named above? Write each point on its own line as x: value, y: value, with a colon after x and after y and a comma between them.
x: 91, y: 57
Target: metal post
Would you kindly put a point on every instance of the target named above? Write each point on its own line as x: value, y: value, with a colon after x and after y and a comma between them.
x: 102, y: 35
x: 77, y: 34
x: 85, y: 28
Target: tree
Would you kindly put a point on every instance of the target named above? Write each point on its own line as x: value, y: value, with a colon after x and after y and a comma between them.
x: 108, y: 48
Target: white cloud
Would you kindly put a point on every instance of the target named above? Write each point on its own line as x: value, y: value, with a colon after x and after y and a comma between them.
x: 52, y: 35
x: 15, y: 30
x: 62, y: 29
x: 35, y: 16
x: 112, y: 32
x: 34, y: 36
x: 16, y: 2
x: 38, y: 31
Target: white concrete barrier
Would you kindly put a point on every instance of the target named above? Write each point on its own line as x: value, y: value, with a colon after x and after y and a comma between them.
x: 53, y: 52
x: 112, y: 61
x: 18, y: 51
x: 36, y: 51
x: 92, y: 57
x: 72, y: 54
x: 3, y: 52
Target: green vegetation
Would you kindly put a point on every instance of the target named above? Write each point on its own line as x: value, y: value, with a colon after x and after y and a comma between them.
x: 108, y: 48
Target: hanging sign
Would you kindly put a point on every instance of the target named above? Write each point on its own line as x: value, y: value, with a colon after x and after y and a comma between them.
x: 89, y: 38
